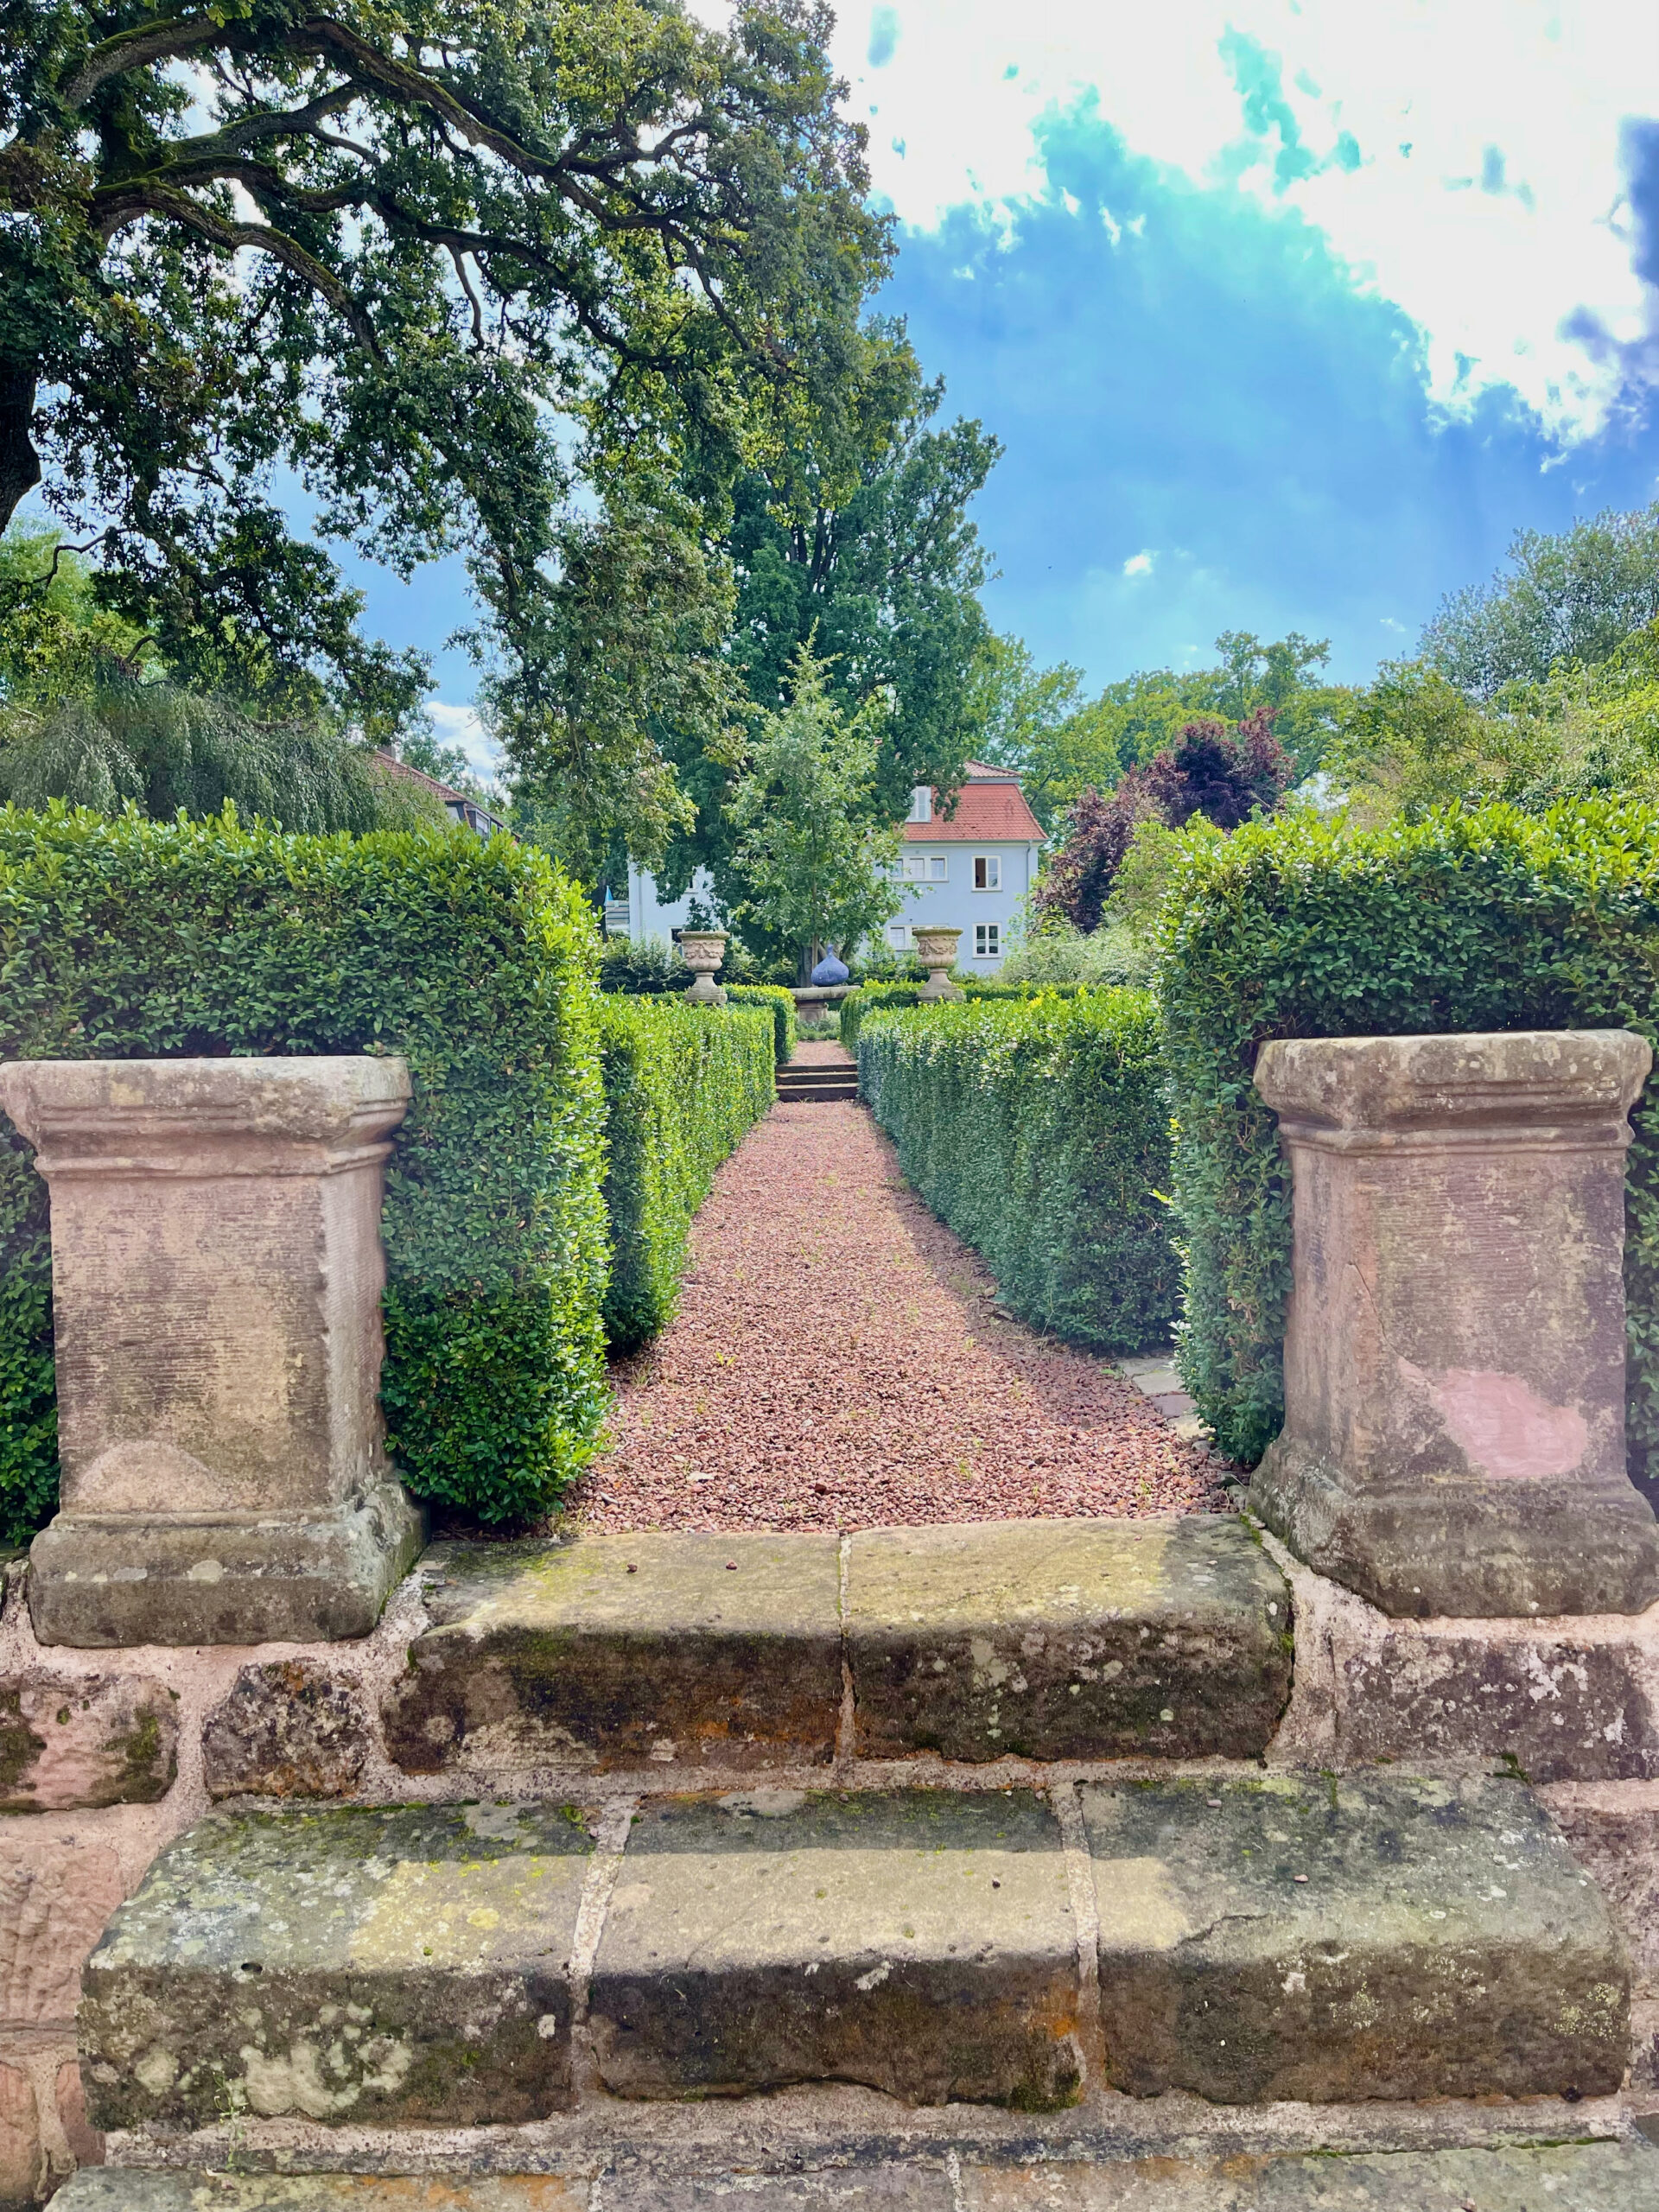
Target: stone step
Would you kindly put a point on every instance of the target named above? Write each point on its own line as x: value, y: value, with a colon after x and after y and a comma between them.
x: 817, y: 1083
x: 1247, y: 1940
x: 1047, y: 1639
x: 1604, y: 2176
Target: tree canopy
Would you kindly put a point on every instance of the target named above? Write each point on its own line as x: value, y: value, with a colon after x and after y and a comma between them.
x: 1037, y: 722
x: 815, y: 862
x: 854, y: 537
x: 1223, y: 775
x: 538, y: 283
x: 1574, y: 595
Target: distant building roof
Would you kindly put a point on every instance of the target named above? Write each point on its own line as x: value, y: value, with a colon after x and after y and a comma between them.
x: 462, y: 805
x: 991, y: 810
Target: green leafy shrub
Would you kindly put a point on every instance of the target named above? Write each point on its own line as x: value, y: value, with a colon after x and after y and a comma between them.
x: 681, y: 1085
x: 644, y: 967
x: 1038, y: 1130
x: 870, y: 998
x: 136, y: 939
x: 782, y: 1003
x: 1484, y: 920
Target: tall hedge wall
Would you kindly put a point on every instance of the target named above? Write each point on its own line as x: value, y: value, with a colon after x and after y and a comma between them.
x: 1038, y: 1129
x: 681, y: 1085
x: 1465, y: 922
x: 782, y: 1005
x: 134, y: 939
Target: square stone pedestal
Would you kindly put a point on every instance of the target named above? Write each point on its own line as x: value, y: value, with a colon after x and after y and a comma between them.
x: 216, y: 1273
x: 1454, y: 1350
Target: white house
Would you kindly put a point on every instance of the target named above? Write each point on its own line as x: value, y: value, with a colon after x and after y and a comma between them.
x: 969, y: 873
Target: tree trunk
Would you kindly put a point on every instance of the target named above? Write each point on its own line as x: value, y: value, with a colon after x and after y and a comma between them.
x: 20, y: 465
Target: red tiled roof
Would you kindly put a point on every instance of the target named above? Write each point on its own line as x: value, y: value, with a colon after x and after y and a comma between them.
x: 409, y: 774
x: 986, y: 814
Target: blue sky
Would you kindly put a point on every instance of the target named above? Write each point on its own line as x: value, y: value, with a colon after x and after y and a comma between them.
x: 1287, y: 311
x: 1287, y: 315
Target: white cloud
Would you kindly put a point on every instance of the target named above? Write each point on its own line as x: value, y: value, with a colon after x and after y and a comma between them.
x: 460, y: 726
x: 1138, y: 564
x: 1487, y: 202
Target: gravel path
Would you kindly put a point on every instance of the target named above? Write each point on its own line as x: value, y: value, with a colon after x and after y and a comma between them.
x: 838, y: 1362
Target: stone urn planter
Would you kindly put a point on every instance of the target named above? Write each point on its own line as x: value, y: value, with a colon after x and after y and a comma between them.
x: 702, y: 951
x: 937, y: 950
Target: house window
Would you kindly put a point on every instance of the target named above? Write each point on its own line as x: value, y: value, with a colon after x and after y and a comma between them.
x: 988, y: 871
x: 899, y: 936
x: 921, y: 803
x: 988, y: 940
x: 924, y: 867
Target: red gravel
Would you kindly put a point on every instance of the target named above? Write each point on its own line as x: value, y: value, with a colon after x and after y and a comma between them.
x: 837, y: 1362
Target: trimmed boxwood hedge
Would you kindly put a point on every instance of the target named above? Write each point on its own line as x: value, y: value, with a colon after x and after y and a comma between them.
x: 1038, y: 1129
x: 1484, y: 921
x: 782, y: 1003
x: 870, y: 996
x: 683, y: 1084
x: 135, y: 940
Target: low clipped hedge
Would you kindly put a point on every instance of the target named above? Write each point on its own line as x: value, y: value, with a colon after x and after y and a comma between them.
x: 1038, y: 1129
x: 1484, y: 921
x: 782, y: 1003
x: 683, y: 1084
x: 869, y: 997
x: 135, y: 940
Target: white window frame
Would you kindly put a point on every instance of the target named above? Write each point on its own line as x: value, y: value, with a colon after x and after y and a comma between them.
x: 925, y: 867
x: 899, y: 936
x: 991, y: 864
x: 988, y: 940
x: 921, y: 803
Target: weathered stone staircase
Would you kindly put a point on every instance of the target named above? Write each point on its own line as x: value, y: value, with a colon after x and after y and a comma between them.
x: 816, y: 1085
x: 935, y: 1868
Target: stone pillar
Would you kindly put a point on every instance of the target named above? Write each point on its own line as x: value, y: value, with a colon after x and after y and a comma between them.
x: 216, y: 1275
x: 1454, y: 1352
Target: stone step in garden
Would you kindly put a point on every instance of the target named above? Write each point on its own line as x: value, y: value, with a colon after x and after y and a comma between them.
x: 818, y: 1083
x: 1249, y: 1942
x: 1061, y: 1639
x: 1606, y: 2176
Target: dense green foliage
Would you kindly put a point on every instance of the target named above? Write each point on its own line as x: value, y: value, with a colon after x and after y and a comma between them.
x: 132, y: 939
x: 880, y: 997
x: 1037, y: 722
x: 786, y: 1025
x: 1412, y: 740
x: 1572, y: 595
x: 681, y: 1085
x: 1220, y: 775
x: 1484, y: 920
x: 868, y: 999
x: 648, y: 967
x: 814, y: 859
x: 90, y: 714
x: 453, y: 267
x: 1038, y: 1129
x: 853, y: 538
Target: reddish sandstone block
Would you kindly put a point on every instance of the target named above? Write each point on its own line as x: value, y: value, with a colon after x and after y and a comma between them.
x: 1454, y: 1348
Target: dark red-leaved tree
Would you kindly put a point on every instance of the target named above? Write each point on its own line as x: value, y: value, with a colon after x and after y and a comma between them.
x: 1224, y: 774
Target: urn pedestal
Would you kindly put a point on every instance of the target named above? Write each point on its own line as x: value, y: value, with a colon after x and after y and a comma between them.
x: 1454, y: 1349
x: 216, y: 1274
x: 702, y: 950
x: 937, y: 950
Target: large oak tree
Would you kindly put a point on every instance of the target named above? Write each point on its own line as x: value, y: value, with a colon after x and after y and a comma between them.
x: 539, y: 281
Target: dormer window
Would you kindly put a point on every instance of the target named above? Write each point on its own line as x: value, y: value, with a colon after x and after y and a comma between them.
x: 921, y: 803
